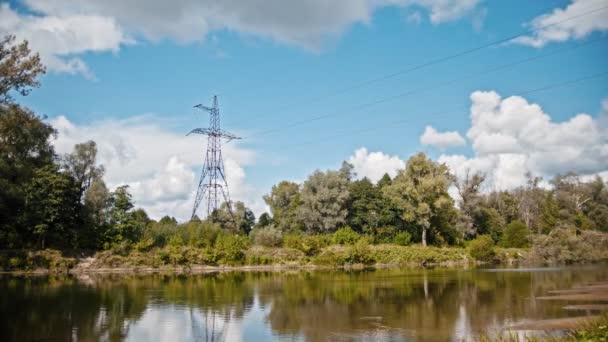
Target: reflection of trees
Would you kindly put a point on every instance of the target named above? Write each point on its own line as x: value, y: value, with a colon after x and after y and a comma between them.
x: 60, y: 309
x: 382, y: 304
x: 427, y: 305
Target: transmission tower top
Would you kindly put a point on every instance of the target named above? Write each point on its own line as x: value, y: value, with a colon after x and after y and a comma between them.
x: 212, y: 186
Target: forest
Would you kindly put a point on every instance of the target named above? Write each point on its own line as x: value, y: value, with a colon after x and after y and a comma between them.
x: 52, y: 201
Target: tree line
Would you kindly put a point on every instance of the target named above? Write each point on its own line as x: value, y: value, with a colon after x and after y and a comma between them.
x: 61, y: 201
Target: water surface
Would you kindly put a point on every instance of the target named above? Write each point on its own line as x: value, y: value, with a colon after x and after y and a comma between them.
x: 370, y: 305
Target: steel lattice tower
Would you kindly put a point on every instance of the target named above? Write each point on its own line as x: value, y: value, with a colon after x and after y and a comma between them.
x: 212, y: 184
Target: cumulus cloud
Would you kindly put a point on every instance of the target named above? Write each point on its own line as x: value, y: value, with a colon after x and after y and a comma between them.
x: 511, y: 136
x: 556, y: 27
x: 442, y: 140
x: 161, y: 167
x: 374, y: 165
x: 61, y: 29
x: 59, y: 38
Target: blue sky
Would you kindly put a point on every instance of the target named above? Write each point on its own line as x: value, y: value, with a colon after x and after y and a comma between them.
x: 117, y: 70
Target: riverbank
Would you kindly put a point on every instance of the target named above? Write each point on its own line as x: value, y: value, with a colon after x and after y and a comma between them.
x: 200, y: 260
x: 236, y: 254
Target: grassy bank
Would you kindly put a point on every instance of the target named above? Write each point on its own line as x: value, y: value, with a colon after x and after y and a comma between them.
x: 338, y: 250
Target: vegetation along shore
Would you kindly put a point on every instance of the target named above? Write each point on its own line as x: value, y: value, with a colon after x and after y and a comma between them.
x: 57, y: 213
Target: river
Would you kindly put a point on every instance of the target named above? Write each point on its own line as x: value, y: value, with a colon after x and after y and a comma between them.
x: 365, y: 305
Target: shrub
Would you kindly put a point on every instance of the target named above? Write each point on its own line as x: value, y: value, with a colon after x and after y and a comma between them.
x: 267, y: 236
x: 292, y: 241
x: 231, y: 248
x: 313, y: 244
x: 516, y: 235
x: 145, y: 244
x: 564, y: 246
x: 345, y: 236
x: 360, y: 253
x: 384, y: 234
x: 402, y: 239
x: 482, y: 248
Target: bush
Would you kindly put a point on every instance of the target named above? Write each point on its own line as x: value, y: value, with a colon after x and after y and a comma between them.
x: 516, y: 235
x: 345, y: 236
x: 292, y: 241
x: 384, y: 234
x: 360, y: 253
x: 309, y: 244
x: 231, y: 248
x: 267, y: 236
x: 402, y: 239
x: 482, y: 248
x: 565, y: 246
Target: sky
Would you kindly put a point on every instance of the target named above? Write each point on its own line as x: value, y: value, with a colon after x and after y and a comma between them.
x: 499, y: 87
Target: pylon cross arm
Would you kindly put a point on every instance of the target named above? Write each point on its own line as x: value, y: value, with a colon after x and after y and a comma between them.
x: 214, y: 133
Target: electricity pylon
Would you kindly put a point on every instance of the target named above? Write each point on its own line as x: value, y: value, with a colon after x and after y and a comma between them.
x: 212, y: 184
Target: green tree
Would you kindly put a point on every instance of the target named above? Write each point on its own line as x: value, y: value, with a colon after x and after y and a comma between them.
x: 324, y: 197
x: 489, y: 222
x: 19, y: 68
x: 81, y: 164
x: 384, y: 181
x: 240, y: 220
x: 24, y: 148
x: 549, y: 213
x: 124, y: 225
x: 368, y: 209
x: 52, y: 207
x: 283, y: 200
x: 516, y: 235
x: 470, y: 202
x: 168, y: 220
x: 420, y: 193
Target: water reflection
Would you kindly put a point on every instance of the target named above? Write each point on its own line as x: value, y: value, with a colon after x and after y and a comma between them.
x: 390, y: 305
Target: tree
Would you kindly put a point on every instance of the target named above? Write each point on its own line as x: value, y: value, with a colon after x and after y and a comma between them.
x: 420, y: 193
x: 52, y: 208
x: 517, y: 235
x: 323, y: 202
x: 367, y: 208
x: 264, y: 221
x: 123, y: 225
x: 549, y: 213
x: 384, y: 181
x: 24, y: 148
x: 241, y: 220
x: 19, y: 69
x: 470, y: 201
x: 81, y: 164
x: 168, y: 220
x: 283, y: 200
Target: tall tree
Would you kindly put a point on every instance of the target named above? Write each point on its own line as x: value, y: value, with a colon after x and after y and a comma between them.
x: 368, y: 209
x: 323, y: 201
x: 420, y: 192
x: 470, y: 201
x: 283, y: 200
x: 241, y: 220
x: 124, y: 225
x: 52, y: 208
x: 19, y: 68
x: 82, y: 165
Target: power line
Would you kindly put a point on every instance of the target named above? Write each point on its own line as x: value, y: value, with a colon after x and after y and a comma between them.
x: 416, y: 90
x: 441, y: 59
x: 444, y: 114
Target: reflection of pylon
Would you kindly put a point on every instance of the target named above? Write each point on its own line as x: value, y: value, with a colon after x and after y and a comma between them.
x: 213, y: 183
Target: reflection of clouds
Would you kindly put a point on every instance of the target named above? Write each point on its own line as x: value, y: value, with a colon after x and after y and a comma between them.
x: 182, y: 323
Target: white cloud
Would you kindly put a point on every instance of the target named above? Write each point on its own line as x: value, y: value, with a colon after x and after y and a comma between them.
x: 161, y: 167
x: 442, y: 140
x: 59, y: 38
x: 511, y: 136
x: 63, y: 29
x: 556, y: 26
x: 374, y: 165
